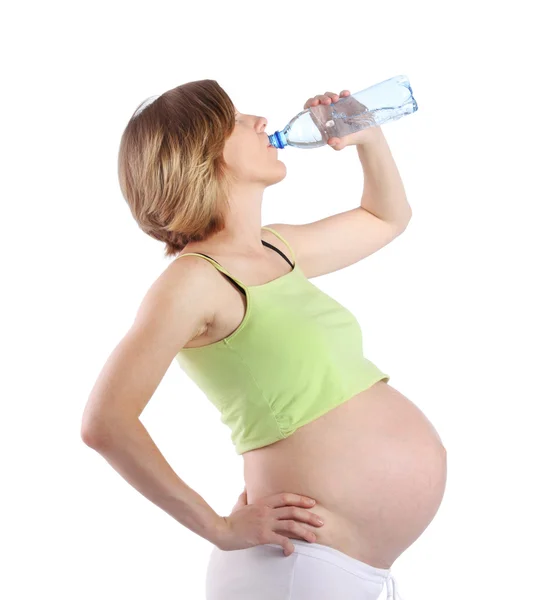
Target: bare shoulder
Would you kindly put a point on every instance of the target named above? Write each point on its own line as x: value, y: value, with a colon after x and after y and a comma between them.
x: 186, y: 293
x: 175, y: 309
x: 338, y: 241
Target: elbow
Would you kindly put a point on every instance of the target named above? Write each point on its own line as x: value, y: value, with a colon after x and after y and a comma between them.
x: 404, y: 223
x: 406, y: 219
x: 89, y: 435
x: 99, y: 422
x: 97, y: 430
x: 92, y: 435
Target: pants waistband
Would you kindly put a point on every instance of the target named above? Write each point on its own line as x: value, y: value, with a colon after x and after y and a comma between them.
x: 350, y: 564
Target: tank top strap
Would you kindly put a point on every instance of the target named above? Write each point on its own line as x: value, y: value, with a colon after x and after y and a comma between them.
x: 282, y: 240
x: 216, y: 264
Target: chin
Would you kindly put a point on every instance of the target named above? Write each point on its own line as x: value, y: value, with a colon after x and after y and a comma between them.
x: 282, y: 174
x: 275, y: 177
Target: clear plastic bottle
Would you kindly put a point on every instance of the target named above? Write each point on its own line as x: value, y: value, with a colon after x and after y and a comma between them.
x: 386, y: 101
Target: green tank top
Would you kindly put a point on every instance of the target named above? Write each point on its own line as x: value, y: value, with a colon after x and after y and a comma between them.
x: 296, y: 355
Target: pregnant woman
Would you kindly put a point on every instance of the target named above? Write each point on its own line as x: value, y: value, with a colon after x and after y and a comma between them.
x: 282, y: 361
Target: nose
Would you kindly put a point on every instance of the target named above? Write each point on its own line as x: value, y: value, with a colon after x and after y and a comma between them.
x: 263, y: 123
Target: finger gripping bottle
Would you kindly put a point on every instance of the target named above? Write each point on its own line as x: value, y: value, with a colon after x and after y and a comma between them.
x: 386, y: 101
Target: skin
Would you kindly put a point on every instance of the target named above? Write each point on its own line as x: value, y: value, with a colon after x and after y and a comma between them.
x: 386, y: 513
x: 256, y: 167
x: 359, y: 506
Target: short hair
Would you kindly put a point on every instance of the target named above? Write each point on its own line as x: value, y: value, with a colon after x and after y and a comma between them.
x: 171, y: 168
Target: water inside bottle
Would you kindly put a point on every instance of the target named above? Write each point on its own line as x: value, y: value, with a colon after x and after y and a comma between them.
x: 341, y: 118
x: 372, y: 107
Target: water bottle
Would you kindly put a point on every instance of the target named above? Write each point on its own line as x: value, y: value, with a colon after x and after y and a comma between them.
x: 386, y: 101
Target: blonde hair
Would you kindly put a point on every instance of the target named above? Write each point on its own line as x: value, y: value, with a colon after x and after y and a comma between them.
x: 171, y: 168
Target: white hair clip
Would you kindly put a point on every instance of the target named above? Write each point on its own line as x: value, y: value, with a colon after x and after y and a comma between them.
x: 146, y: 103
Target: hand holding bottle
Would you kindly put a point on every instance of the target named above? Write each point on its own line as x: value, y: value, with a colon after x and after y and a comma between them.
x: 322, y: 113
x: 347, y: 119
x: 268, y: 521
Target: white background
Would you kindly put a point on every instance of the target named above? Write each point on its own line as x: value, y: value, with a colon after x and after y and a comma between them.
x: 455, y: 309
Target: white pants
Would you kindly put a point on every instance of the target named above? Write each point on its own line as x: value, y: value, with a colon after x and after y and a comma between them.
x: 312, y: 572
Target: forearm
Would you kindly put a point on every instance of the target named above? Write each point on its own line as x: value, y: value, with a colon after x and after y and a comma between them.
x: 383, y: 191
x: 130, y: 450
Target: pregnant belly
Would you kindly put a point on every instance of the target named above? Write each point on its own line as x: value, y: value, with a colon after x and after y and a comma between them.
x: 375, y: 466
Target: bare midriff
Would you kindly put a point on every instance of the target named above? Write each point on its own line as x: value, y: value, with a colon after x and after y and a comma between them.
x: 375, y: 466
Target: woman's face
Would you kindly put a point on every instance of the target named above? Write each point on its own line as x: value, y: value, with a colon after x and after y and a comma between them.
x: 247, y: 154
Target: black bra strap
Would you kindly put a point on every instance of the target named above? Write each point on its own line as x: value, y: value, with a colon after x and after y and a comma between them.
x: 229, y: 278
x: 233, y: 281
x: 265, y: 244
x: 277, y: 250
